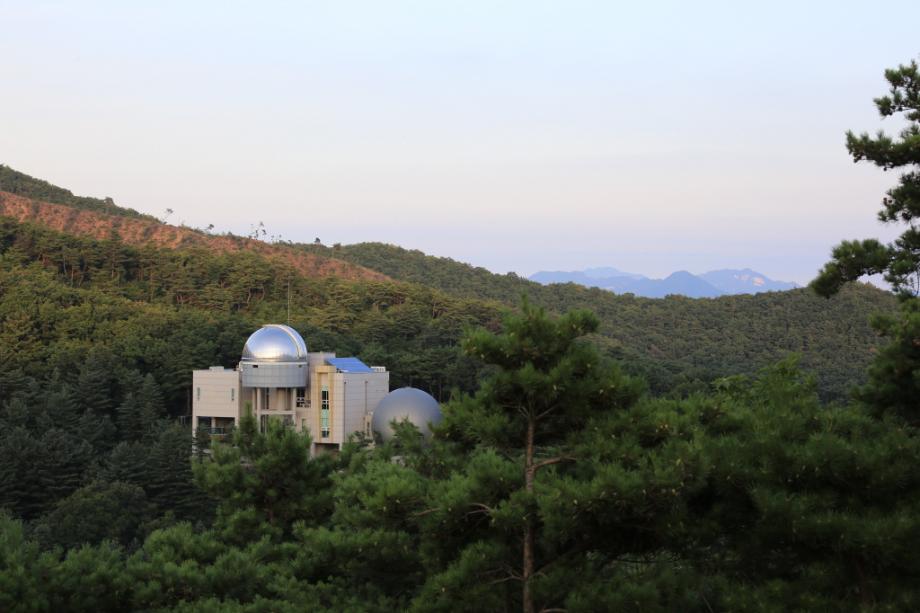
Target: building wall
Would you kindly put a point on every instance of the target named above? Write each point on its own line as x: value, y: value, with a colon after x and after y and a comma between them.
x: 361, y: 393
x: 272, y: 375
x: 215, y: 393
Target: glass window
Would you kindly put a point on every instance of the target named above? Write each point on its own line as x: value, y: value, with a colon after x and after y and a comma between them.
x: 232, y: 395
x: 301, y: 397
x: 324, y: 412
x: 198, y: 394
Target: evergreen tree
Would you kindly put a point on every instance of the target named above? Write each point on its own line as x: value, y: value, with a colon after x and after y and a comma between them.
x: 265, y: 481
x: 95, y: 390
x: 894, y: 383
x: 36, y: 471
x: 899, y: 261
x: 170, y: 483
x: 808, y: 507
x: 499, y: 519
x: 62, y: 406
x: 21, y: 490
x: 151, y: 403
x: 894, y: 376
x: 129, y: 418
x: 94, y: 513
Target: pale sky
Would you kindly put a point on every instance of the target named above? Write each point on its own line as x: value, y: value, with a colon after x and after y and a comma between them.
x: 519, y: 136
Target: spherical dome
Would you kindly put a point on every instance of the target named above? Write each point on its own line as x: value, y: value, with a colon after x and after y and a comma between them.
x: 410, y: 403
x: 275, y: 343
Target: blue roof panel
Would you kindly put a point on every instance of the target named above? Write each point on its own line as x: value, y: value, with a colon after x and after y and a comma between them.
x: 348, y: 365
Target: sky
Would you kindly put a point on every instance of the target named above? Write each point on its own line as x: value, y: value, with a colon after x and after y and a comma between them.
x: 518, y: 136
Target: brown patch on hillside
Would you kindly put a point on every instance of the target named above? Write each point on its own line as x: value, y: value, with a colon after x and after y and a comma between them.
x: 142, y: 232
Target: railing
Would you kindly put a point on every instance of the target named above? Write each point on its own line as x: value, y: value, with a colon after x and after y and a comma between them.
x: 215, y: 431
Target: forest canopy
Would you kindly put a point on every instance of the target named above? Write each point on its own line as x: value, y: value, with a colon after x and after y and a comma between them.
x: 597, y: 452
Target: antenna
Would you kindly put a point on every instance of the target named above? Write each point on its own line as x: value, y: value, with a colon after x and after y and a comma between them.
x: 289, y: 300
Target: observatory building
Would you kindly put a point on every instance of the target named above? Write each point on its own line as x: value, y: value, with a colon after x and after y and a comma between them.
x: 327, y: 396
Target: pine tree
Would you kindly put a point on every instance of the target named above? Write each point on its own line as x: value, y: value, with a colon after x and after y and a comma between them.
x: 151, y: 401
x: 899, y: 261
x: 893, y: 385
x: 554, y: 457
x: 170, y: 485
x: 808, y: 507
x: 128, y: 462
x: 21, y: 491
x: 129, y: 418
x: 265, y: 479
x: 94, y: 513
x: 95, y: 386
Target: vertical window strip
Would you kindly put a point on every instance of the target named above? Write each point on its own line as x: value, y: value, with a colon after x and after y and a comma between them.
x: 324, y: 413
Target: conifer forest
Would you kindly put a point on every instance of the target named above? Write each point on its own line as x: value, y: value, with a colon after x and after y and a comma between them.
x: 598, y: 452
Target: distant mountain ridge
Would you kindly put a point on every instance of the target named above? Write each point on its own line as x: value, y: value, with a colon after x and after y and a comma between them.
x: 681, y: 283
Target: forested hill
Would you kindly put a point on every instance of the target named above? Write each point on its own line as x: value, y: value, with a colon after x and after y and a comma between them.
x: 144, y: 230
x: 444, y: 274
x: 675, y: 340
x: 405, y: 309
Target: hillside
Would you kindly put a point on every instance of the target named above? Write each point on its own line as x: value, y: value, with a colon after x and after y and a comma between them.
x: 144, y: 230
x: 675, y: 340
x: 408, y: 310
x: 21, y: 184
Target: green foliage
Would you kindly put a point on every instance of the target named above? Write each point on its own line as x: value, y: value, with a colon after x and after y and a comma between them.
x: 554, y: 480
x: 754, y: 496
x: 814, y: 507
x: 38, y: 470
x: 894, y: 377
x: 97, y: 512
x: 899, y: 261
x: 676, y: 344
x: 265, y: 479
x: 557, y: 466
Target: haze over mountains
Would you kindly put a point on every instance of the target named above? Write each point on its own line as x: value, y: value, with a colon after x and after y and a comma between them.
x: 707, y: 285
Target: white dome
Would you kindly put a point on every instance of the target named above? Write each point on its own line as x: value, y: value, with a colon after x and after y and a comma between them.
x: 419, y: 407
x: 275, y: 343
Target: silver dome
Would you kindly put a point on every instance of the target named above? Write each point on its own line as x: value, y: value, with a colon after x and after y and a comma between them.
x: 419, y: 407
x: 275, y: 343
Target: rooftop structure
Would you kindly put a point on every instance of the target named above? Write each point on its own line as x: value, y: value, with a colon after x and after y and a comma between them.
x: 275, y: 343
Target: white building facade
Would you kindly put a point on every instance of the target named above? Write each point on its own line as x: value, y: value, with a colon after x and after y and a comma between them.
x: 277, y: 379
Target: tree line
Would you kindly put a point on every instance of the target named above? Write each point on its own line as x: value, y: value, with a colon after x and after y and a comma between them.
x: 558, y: 484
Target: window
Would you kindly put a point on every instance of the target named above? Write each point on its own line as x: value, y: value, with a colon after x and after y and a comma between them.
x: 301, y: 398
x: 232, y: 395
x: 324, y: 413
x: 198, y: 394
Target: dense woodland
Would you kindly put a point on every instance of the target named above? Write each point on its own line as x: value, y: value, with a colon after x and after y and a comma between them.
x: 598, y: 452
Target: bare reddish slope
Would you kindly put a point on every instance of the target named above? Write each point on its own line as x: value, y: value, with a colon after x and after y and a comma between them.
x: 143, y: 232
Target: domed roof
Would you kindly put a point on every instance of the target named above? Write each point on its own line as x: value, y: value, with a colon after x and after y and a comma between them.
x: 275, y: 343
x: 419, y: 407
